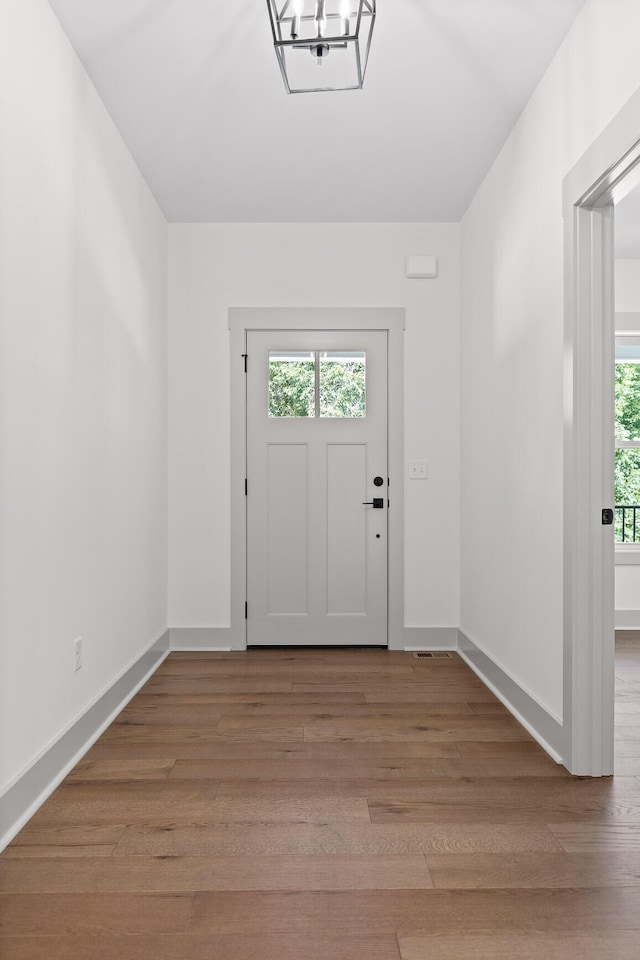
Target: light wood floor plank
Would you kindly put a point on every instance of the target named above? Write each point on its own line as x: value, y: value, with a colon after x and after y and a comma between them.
x: 177, y: 874
x: 278, y: 750
x: 69, y: 836
x: 414, y: 912
x: 627, y: 768
x: 146, y: 699
x: 169, y: 685
x: 573, y: 945
x: 358, y: 668
x: 33, y: 852
x: 126, y: 770
x: 195, y: 810
x: 201, y: 733
x: 538, y: 870
x: 391, y: 770
x: 401, y: 692
x: 590, y: 838
x: 458, y: 728
x: 192, y: 947
x: 57, y: 914
x: 502, y: 748
x: 337, y: 838
x: 461, y: 800
x: 314, y: 709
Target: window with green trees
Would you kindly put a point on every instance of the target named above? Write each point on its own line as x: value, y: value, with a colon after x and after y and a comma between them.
x: 318, y: 383
x: 627, y: 454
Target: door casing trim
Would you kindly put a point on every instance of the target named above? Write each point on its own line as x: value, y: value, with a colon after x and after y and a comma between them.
x: 608, y: 170
x: 391, y: 319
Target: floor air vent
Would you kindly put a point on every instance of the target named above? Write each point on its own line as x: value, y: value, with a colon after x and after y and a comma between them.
x: 432, y: 655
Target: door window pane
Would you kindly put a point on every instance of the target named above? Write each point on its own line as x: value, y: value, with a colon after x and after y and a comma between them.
x: 343, y: 384
x: 292, y: 384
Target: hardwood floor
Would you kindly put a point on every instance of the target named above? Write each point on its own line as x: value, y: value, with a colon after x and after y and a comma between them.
x: 329, y: 805
x: 627, y: 754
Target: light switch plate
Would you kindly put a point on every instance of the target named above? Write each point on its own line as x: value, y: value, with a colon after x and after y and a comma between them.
x: 418, y: 470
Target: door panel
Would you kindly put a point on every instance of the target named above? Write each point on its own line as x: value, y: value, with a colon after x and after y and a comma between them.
x: 316, y: 438
x: 287, y: 540
x: 346, y: 529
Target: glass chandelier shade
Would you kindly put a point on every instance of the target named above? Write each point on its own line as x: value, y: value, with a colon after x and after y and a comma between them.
x: 322, y: 45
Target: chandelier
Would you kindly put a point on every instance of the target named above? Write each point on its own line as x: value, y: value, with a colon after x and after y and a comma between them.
x: 322, y: 45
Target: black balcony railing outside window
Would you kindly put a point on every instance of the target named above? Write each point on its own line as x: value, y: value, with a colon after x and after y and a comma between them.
x: 627, y: 527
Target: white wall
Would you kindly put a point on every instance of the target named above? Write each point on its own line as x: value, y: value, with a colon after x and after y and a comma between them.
x: 82, y: 392
x: 628, y: 596
x: 512, y: 353
x: 213, y: 267
x: 627, y: 287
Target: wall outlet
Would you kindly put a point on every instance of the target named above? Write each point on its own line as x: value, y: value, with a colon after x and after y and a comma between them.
x: 77, y: 652
x: 418, y: 470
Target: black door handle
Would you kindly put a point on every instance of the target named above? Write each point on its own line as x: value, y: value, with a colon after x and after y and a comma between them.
x: 377, y: 503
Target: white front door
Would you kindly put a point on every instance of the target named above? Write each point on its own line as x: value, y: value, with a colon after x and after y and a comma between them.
x: 317, y: 487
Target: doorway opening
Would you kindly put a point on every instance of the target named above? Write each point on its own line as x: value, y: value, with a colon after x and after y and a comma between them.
x: 607, y: 173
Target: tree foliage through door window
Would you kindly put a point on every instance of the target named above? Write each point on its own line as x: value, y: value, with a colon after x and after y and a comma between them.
x: 342, y: 386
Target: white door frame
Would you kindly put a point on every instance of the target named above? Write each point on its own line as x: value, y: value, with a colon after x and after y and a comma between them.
x: 604, y: 175
x: 243, y: 319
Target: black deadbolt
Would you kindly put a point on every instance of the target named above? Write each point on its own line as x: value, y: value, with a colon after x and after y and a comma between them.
x: 607, y: 517
x: 378, y: 481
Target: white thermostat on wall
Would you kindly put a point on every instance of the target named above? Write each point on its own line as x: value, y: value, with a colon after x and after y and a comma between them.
x: 422, y: 268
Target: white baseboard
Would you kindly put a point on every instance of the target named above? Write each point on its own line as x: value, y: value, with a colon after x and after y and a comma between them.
x: 19, y: 803
x: 219, y: 638
x: 627, y: 619
x: 200, y: 638
x: 430, y: 638
x: 539, y: 722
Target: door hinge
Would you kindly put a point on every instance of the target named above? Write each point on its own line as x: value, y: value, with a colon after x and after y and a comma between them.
x: 607, y: 517
x: 246, y: 610
x: 244, y: 357
x: 246, y: 487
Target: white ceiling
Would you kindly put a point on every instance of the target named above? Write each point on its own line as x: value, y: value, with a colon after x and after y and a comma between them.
x: 195, y: 89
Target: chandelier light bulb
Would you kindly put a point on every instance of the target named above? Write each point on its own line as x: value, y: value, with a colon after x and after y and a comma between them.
x: 345, y: 13
x: 297, y: 6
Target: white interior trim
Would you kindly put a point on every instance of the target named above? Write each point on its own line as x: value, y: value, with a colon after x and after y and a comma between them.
x: 242, y: 319
x: 627, y: 323
x: 200, y: 638
x: 604, y: 175
x: 430, y: 638
x: 627, y: 554
x: 627, y: 619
